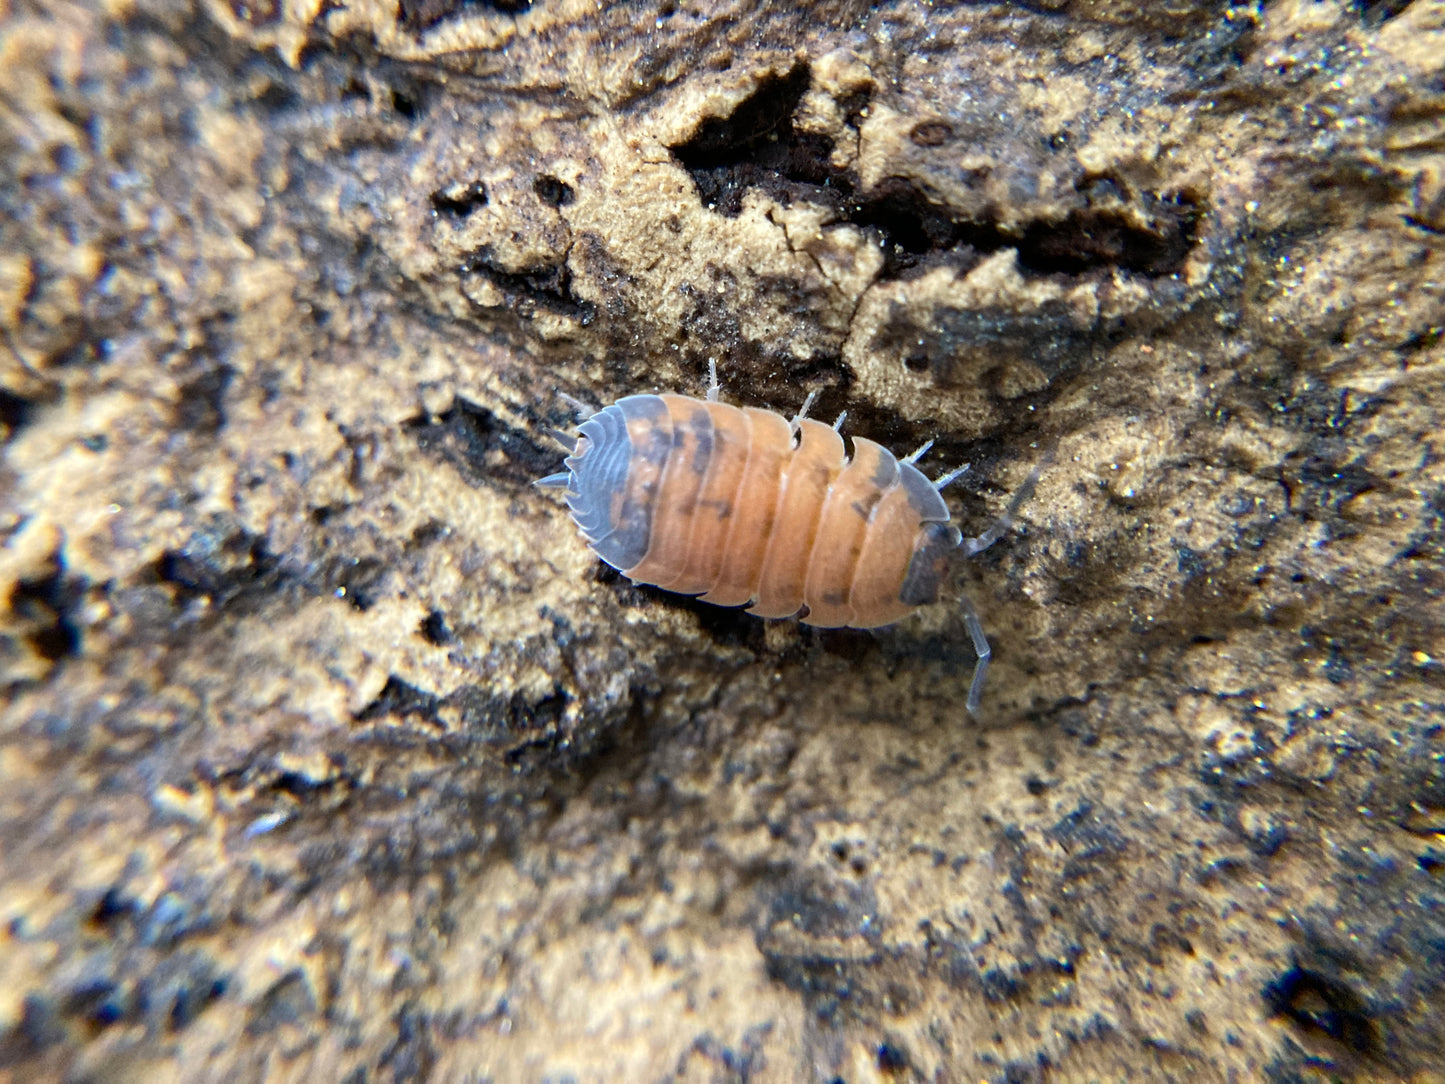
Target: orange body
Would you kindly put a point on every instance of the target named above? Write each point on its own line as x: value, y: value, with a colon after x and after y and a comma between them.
x: 708, y: 499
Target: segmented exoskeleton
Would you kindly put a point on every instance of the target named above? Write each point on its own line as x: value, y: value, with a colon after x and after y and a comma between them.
x: 741, y: 505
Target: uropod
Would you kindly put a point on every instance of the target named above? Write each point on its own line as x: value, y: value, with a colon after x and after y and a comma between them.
x: 740, y: 505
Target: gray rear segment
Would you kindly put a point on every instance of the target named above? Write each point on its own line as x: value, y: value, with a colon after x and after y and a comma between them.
x: 939, y: 537
x: 600, y: 477
x: 599, y: 472
x: 886, y: 476
x: 922, y: 495
x: 929, y: 564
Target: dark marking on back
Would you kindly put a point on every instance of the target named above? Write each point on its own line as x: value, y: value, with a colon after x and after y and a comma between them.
x: 655, y: 447
x: 865, y: 506
x: 885, y: 475
x: 701, y: 423
x: 929, y: 564
x: 835, y: 598
x: 649, y: 414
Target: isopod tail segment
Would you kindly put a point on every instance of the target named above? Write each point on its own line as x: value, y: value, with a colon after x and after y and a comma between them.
x: 568, y: 441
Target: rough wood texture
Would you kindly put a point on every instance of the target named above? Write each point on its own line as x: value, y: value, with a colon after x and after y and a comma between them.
x: 328, y: 754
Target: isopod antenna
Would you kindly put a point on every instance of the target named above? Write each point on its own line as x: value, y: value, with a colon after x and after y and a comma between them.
x: 972, y: 546
x: 1005, y: 522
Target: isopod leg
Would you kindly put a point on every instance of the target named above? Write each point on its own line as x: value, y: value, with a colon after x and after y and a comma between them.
x: 919, y: 454
x: 981, y: 649
x: 712, y: 384
x: 950, y: 477
x: 802, y: 411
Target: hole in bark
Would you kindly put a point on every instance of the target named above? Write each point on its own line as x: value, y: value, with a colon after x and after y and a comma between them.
x: 15, y: 413
x: 553, y: 192
x: 277, y: 96
x: 757, y: 146
x: 398, y: 697
x: 47, y: 606
x: 256, y: 12
x: 434, y: 629
x: 420, y: 15
x: 548, y: 287
x: 1317, y: 1002
x: 931, y: 133
x: 404, y: 104
x: 765, y: 117
x: 1375, y: 13
x: 114, y: 906
x: 892, y: 1058
x: 201, y: 406
x: 1089, y: 239
x: 459, y: 200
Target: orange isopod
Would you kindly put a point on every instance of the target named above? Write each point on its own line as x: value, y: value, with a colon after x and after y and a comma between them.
x: 741, y: 505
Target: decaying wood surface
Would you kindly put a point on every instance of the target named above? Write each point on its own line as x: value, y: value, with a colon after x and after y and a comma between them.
x: 329, y: 753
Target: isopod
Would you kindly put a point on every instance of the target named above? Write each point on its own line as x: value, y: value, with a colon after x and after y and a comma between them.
x: 739, y: 505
